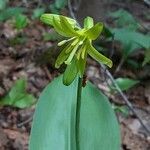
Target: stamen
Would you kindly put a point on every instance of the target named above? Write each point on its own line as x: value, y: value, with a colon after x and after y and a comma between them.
x: 71, y: 55
x: 65, y: 41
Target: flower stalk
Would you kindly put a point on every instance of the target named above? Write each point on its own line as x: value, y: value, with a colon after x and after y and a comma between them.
x: 78, y: 111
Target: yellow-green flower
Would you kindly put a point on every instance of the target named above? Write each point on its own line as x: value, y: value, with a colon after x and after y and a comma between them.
x: 77, y: 46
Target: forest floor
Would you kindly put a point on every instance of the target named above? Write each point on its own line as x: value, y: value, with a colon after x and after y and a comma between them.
x: 34, y: 60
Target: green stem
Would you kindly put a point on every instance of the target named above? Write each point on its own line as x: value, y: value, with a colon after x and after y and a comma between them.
x: 79, y: 92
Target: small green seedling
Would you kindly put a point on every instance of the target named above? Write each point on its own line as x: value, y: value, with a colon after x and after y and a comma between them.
x: 57, y: 6
x: 121, y: 109
x: 10, y: 12
x: 18, y: 96
x: 21, y: 21
x: 37, y: 13
x: 124, y: 84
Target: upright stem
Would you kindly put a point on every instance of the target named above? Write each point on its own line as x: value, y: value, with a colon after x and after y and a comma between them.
x: 78, y: 106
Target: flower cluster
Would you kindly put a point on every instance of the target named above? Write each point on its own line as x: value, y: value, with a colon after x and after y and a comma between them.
x: 77, y: 46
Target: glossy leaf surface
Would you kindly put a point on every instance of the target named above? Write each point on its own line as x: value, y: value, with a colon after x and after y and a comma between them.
x: 54, y: 121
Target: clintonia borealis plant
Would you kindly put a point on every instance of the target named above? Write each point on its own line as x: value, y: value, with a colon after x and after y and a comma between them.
x: 72, y: 117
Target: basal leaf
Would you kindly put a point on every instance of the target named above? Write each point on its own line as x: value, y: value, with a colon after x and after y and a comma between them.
x: 54, y: 120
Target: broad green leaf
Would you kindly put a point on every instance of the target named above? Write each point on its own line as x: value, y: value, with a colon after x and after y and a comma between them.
x: 3, y: 4
x: 88, y: 23
x: 147, y: 57
x: 125, y: 83
x: 98, y: 56
x: 48, y: 19
x: 94, y: 32
x: 53, y: 9
x: 70, y: 73
x: 124, y: 19
x: 54, y: 120
x: 133, y: 63
x: 18, y: 97
x: 143, y: 40
x: 57, y: 6
x: 127, y: 36
x: 10, y: 12
x: 60, y: 3
x: 37, y: 12
x: 131, y: 40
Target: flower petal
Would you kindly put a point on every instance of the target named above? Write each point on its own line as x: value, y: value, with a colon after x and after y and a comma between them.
x: 88, y: 23
x: 67, y: 27
x: 59, y: 29
x: 81, y: 65
x: 94, y: 32
x: 62, y: 56
x: 70, y: 73
x: 65, y: 41
x: 48, y: 19
x: 68, y: 61
x: 98, y: 56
